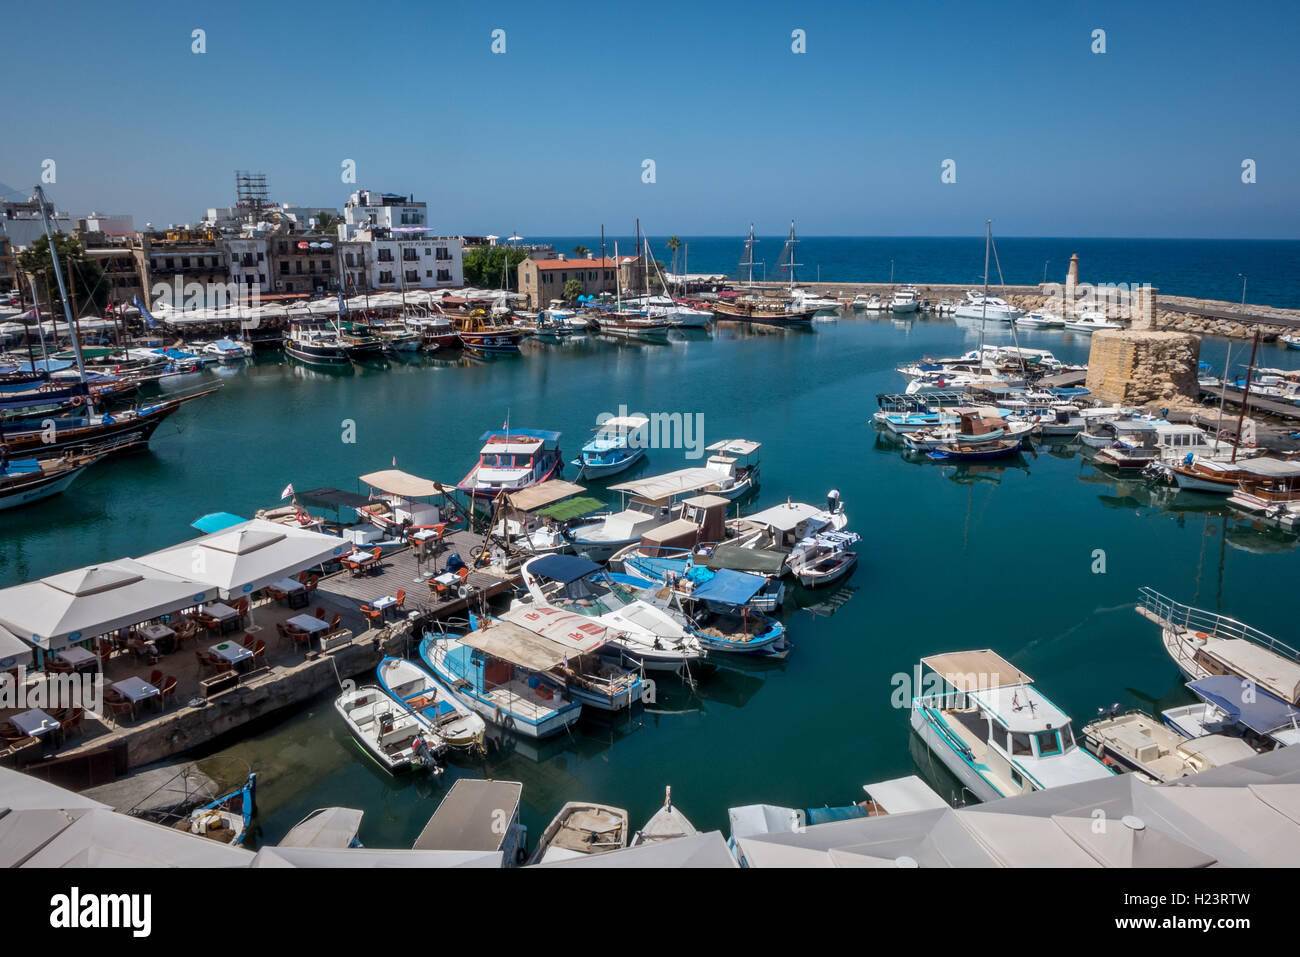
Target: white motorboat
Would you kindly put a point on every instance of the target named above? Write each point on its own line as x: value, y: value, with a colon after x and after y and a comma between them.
x: 870, y: 303
x: 904, y: 300
x: 1091, y: 321
x: 988, y: 724
x: 823, y: 559
x: 570, y: 593
x: 1041, y: 319
x: 992, y: 308
x: 804, y: 299
x: 580, y: 829
x: 413, y: 689
x: 619, y: 443
x: 666, y: 824
x: 1135, y: 741
x: 975, y: 426
x: 391, y: 734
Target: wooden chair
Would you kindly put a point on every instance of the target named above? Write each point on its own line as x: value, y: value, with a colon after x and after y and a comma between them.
x: 299, y: 637
x: 105, y: 652
x: 336, y: 622
x: 155, y: 677
x: 168, y: 688
x: 249, y: 641
x: 205, y: 660
x: 374, y: 614
x: 259, y: 651
x: 117, y: 705
x: 10, y: 733
x: 320, y: 613
x: 72, y: 723
x: 401, y: 599
x: 283, y: 631
x: 302, y: 578
x: 313, y: 583
x: 58, y: 667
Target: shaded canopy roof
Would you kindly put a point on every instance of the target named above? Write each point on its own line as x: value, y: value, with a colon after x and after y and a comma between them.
x: 397, y: 482
x: 670, y: 484
x: 547, y: 493
x: 13, y: 650
x: 696, y: 850
x: 1245, y: 702
x: 730, y: 587
x: 562, y: 568
x: 246, y: 557
x: 976, y: 670
x: 61, y: 609
x: 510, y: 642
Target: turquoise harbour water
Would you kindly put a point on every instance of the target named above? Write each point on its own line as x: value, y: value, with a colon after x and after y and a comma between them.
x: 998, y: 556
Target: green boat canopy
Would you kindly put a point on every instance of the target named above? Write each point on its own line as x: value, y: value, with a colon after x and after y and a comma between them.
x: 571, y: 508
x: 760, y: 561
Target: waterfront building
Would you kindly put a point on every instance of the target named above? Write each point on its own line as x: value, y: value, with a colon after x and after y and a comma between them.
x: 180, y: 257
x: 248, y: 262
x: 370, y: 208
x: 302, y: 263
x: 395, y: 263
x: 542, y: 280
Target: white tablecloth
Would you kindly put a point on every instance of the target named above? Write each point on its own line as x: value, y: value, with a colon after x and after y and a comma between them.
x: 231, y: 651
x: 135, y: 689
x: 220, y: 611
x: 34, y: 723
x: 77, y: 656
x: 309, y: 624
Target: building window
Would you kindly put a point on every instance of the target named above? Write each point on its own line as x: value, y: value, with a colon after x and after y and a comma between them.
x: 409, y: 254
x: 386, y: 276
x: 385, y: 255
x: 444, y: 253
x: 284, y: 267
x: 428, y: 273
x: 444, y: 275
x: 412, y: 275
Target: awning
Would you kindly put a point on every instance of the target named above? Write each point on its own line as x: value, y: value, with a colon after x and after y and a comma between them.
x: 544, y: 434
x: 761, y: 561
x: 736, y: 446
x: 562, y: 568
x: 976, y: 670
x: 1256, y: 708
x: 730, y: 587
x: 509, y: 642
x: 246, y: 557
x: 1273, y: 467
x: 547, y: 493
x: 326, y: 497
x: 397, y: 482
x: 571, y: 508
x: 61, y: 609
x: 670, y: 484
x: 13, y: 650
x: 216, y: 521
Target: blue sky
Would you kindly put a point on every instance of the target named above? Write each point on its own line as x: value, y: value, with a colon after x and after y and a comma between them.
x: 1049, y: 139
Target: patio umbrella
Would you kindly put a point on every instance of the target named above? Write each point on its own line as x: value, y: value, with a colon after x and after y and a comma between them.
x: 13, y: 650
x: 1128, y: 842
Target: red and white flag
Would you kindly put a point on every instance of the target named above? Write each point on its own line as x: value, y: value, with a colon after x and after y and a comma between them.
x: 288, y: 490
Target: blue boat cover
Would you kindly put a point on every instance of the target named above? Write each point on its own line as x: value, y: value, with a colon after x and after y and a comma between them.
x: 825, y: 815
x: 730, y: 587
x: 544, y: 434
x: 216, y: 521
x: 563, y: 568
x: 1263, y: 714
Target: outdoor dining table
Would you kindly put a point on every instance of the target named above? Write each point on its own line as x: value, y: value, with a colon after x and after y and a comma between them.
x: 79, y: 658
x: 295, y: 592
x: 313, y: 626
x: 228, y: 617
x: 382, y: 605
x: 135, y: 689
x: 232, y: 651
x: 160, y: 636
x: 34, y: 723
x: 359, y: 560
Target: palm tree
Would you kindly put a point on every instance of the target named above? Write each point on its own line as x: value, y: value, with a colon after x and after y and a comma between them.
x: 674, y: 243
x: 580, y: 251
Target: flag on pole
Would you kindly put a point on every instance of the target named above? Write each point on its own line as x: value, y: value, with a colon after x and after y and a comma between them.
x: 288, y: 490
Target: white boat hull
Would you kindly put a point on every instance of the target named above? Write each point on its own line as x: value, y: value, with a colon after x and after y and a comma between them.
x: 938, y: 746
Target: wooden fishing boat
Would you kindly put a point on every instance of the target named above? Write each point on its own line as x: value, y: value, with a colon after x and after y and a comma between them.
x: 511, y: 460
x: 767, y: 312
x: 666, y: 824
x: 976, y: 453
x: 391, y: 734
x: 29, y: 480
x: 1200, y: 475
x: 227, y: 819
x: 634, y: 325
x: 118, y: 431
x: 479, y: 332
x: 582, y: 828
x: 824, y: 558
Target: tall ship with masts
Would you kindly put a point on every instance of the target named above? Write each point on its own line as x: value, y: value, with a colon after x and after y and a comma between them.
x: 769, y: 311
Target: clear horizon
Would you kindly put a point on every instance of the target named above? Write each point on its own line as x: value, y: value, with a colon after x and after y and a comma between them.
x: 1050, y: 139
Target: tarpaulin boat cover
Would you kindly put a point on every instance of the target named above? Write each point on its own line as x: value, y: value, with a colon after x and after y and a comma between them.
x: 510, y: 642
x: 397, y: 482
x: 730, y: 587
x: 563, y: 568
x: 761, y: 561
x: 326, y: 497
x: 1258, y: 710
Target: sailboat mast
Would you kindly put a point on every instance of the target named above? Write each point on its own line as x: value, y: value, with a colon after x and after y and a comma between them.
x: 984, y: 303
x: 1245, y: 396
x: 63, y: 289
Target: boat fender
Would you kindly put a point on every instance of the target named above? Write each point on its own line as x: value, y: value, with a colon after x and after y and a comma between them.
x: 76, y: 400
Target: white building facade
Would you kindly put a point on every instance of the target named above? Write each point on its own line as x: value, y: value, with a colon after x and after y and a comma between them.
x: 434, y: 263
x: 248, y: 263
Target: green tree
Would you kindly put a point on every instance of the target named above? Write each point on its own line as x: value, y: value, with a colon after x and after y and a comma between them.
x: 483, y: 266
x: 84, y: 278
x: 674, y: 244
x: 327, y: 223
x: 572, y: 290
x: 580, y: 251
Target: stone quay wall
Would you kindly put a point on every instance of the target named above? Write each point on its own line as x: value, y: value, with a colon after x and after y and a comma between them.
x: 1145, y: 368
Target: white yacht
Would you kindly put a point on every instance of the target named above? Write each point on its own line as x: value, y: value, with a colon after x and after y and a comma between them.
x: 985, y: 720
x: 1091, y: 320
x: 871, y: 303
x: 803, y: 299
x: 1137, y: 742
x: 979, y: 306
x: 1041, y: 319
x: 904, y: 300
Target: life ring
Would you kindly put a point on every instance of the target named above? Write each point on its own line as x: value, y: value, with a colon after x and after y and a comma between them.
x: 462, y: 592
x: 302, y: 517
x: 77, y: 400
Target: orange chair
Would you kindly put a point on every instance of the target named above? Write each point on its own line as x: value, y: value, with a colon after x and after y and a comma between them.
x: 335, y: 622
x: 401, y: 599
x: 374, y: 614
x: 155, y: 677
x: 168, y: 689
x: 259, y: 651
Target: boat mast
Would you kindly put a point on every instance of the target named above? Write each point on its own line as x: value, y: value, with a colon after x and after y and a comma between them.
x: 1245, y: 397
x: 618, y: 285
x: 63, y: 289
x: 984, y: 303
x: 1223, y: 394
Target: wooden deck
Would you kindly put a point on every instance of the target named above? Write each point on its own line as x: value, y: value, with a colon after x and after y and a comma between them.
x: 397, y: 569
